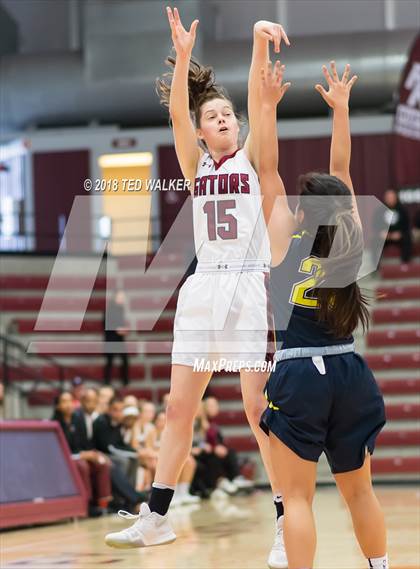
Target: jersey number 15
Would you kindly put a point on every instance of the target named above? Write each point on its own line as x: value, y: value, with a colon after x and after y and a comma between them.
x: 219, y: 222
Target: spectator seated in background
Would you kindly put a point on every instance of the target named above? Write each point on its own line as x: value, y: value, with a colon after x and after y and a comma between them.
x: 93, y: 467
x: 160, y: 423
x: 399, y: 232
x: 77, y: 388
x: 104, y: 397
x: 84, y: 417
x: 143, y: 434
x: 182, y: 495
x: 208, y: 472
x: 232, y: 480
x: 108, y: 435
x: 165, y: 400
x: 131, y: 401
x: 130, y: 418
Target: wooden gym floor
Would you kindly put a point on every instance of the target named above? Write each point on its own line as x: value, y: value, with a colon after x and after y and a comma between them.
x: 236, y: 533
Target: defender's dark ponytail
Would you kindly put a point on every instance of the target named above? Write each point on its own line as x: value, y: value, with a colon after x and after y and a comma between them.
x: 339, y: 245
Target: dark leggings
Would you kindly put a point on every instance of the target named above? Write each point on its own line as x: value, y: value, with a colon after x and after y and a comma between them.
x: 124, y: 368
x: 210, y: 468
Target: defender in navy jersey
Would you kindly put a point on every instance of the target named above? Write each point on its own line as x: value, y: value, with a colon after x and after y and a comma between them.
x: 293, y: 298
x: 322, y: 397
x: 340, y: 414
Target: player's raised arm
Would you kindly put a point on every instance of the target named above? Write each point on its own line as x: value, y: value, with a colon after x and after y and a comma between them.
x: 264, y: 32
x: 186, y: 145
x: 280, y: 220
x: 337, y: 97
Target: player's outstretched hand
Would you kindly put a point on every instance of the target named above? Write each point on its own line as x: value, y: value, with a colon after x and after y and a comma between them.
x: 272, y: 86
x: 338, y: 93
x: 272, y: 32
x: 183, y: 40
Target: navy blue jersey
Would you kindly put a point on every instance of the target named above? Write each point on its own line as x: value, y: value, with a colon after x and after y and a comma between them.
x: 293, y: 299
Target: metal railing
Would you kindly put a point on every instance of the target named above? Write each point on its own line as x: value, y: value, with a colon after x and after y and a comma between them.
x: 15, y: 362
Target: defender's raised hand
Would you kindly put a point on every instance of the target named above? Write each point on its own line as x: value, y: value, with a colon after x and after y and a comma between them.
x: 272, y: 87
x: 183, y: 40
x: 272, y: 32
x: 338, y: 93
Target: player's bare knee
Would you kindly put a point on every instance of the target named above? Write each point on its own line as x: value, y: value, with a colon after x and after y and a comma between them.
x: 179, y: 413
x: 253, y: 411
x: 356, y: 492
x: 296, y: 493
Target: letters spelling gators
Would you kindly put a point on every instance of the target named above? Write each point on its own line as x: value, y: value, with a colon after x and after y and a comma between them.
x: 216, y: 184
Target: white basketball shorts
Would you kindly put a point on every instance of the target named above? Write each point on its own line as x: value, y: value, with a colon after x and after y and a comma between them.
x: 223, y: 318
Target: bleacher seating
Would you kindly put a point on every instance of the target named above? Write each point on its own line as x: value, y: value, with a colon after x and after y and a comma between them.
x: 392, y: 349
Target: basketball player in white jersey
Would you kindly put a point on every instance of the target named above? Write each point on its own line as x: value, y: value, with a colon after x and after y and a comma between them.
x: 222, y: 316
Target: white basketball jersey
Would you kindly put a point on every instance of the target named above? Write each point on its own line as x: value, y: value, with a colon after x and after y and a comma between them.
x: 227, y: 211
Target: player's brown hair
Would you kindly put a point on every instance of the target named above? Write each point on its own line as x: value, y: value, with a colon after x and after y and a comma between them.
x: 341, y: 309
x: 202, y: 87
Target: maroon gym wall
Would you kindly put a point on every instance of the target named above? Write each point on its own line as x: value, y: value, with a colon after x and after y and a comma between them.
x: 57, y: 178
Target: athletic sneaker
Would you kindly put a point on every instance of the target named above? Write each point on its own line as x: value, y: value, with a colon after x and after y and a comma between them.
x: 219, y: 494
x: 184, y: 499
x: 188, y: 499
x: 150, y: 528
x: 227, y: 486
x: 176, y: 501
x: 277, y: 558
x: 242, y: 483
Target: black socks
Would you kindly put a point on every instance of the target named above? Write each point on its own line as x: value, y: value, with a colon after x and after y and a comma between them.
x: 160, y: 498
x: 278, y: 502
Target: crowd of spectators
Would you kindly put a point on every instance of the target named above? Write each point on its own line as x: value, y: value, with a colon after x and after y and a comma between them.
x: 114, y: 442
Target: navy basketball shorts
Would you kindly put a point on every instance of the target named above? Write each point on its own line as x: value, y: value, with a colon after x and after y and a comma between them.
x: 339, y: 413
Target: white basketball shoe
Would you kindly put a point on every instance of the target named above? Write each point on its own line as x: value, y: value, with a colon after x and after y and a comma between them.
x: 277, y: 558
x: 149, y: 529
